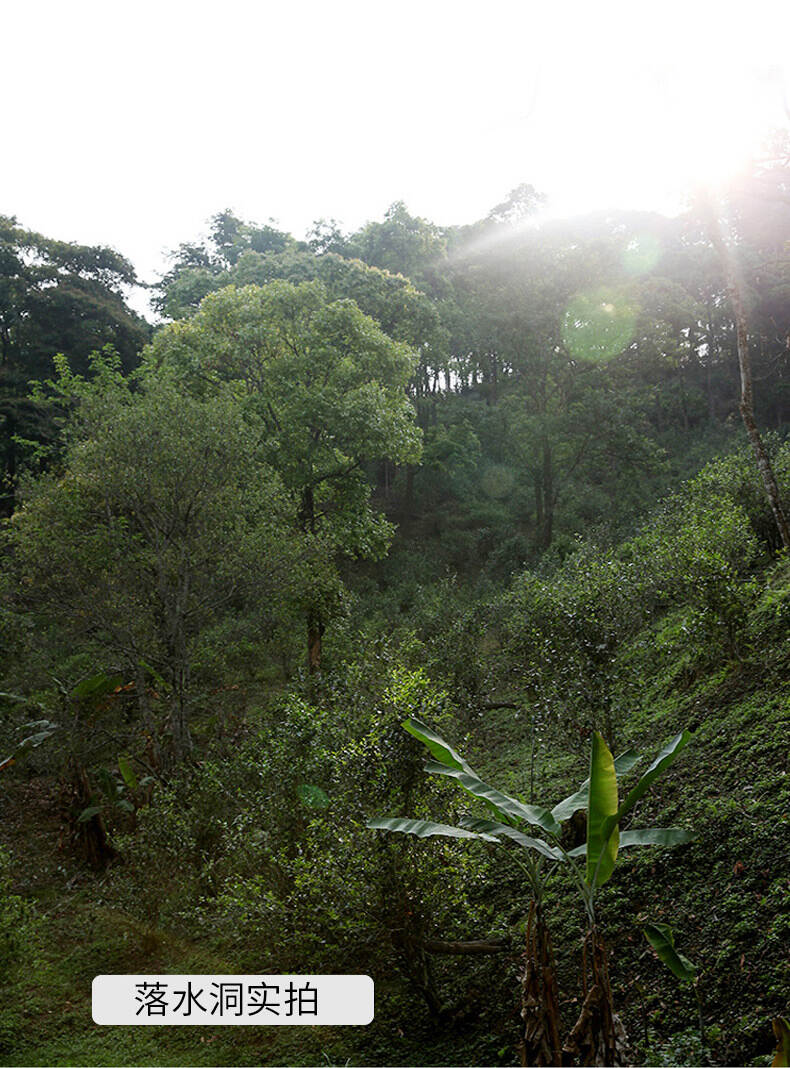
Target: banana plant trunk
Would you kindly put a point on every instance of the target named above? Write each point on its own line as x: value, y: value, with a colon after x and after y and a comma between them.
x: 540, y: 1009
x: 598, y: 1036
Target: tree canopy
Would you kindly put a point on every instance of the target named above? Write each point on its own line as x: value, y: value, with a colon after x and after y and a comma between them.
x: 326, y: 387
x: 55, y: 297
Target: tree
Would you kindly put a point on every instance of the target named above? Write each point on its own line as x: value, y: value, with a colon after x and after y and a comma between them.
x: 518, y: 205
x: 534, y: 334
x: 327, y: 388
x: 54, y: 297
x: 734, y: 292
x: 164, y: 520
x: 242, y: 254
x: 200, y: 268
x: 403, y: 244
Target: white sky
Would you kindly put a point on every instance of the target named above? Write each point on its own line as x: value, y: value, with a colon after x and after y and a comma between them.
x: 130, y: 123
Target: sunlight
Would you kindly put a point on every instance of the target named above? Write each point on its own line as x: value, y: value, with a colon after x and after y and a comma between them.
x: 711, y: 129
x: 644, y: 137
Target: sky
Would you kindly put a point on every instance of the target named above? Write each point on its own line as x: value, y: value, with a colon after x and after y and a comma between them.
x: 129, y: 124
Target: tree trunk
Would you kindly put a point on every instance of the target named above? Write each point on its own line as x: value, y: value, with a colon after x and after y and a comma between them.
x: 88, y: 837
x: 709, y: 370
x: 315, y: 631
x: 8, y: 477
x: 147, y: 717
x: 409, y: 495
x: 315, y: 625
x: 179, y: 731
x: 538, y: 505
x: 493, y: 377
x: 547, y: 484
x: 684, y: 411
x: 409, y: 944
x: 747, y: 397
x: 472, y: 948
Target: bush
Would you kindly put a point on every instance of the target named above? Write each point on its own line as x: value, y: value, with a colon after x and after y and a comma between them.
x: 16, y: 917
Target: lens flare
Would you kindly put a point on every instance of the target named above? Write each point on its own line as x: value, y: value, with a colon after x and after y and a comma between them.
x: 598, y: 325
x: 641, y: 254
x: 498, y: 481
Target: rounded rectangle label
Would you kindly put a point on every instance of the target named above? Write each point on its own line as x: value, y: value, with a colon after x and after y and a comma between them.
x: 232, y: 999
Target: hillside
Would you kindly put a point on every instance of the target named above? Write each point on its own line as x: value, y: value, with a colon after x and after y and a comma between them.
x: 499, y: 482
x: 718, y: 667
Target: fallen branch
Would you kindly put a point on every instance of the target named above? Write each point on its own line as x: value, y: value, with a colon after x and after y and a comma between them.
x: 499, y: 945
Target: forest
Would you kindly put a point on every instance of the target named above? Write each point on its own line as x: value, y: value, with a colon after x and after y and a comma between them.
x: 412, y: 602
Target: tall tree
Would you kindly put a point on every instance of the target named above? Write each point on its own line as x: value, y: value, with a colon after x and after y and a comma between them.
x: 199, y: 268
x: 734, y: 292
x: 403, y: 244
x: 164, y: 521
x: 328, y: 389
x: 54, y: 297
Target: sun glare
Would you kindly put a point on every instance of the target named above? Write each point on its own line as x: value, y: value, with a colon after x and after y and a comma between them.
x: 712, y: 130
x: 645, y: 136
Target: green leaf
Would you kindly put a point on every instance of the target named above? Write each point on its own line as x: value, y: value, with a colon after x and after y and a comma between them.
x: 503, y: 804
x: 96, y: 686
x: 107, y: 784
x: 438, y: 747
x: 15, y: 697
x: 127, y: 772
x: 662, y: 939
x: 647, y: 836
x: 565, y: 809
x: 154, y: 674
x: 492, y: 827
x: 667, y: 755
x: 89, y: 813
x: 449, y: 762
x: 34, y: 740
x: 313, y: 796
x: 424, y: 829
x: 782, y: 1031
x: 602, y: 843
x: 452, y: 764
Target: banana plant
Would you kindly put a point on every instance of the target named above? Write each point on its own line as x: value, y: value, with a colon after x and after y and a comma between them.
x: 538, y: 830
x: 599, y: 796
x: 510, y: 820
x: 782, y: 1032
x: 598, y: 1036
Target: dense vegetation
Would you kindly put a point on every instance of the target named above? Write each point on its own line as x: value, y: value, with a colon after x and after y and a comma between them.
x: 491, y: 479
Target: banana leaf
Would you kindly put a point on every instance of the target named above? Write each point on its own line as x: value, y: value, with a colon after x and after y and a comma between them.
x: 450, y: 763
x: 666, y: 757
x: 565, y: 809
x: 492, y: 827
x: 602, y: 843
x: 662, y: 939
x: 782, y: 1032
x: 424, y: 829
x: 646, y: 836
